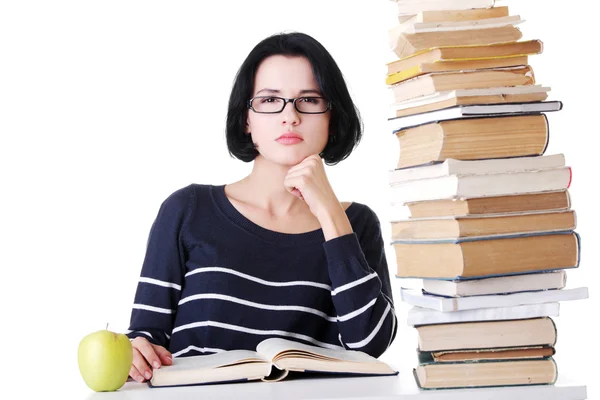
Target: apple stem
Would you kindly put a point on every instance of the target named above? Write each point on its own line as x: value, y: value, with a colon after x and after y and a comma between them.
x: 106, y: 326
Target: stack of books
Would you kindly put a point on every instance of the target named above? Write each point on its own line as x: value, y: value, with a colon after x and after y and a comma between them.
x: 490, y: 232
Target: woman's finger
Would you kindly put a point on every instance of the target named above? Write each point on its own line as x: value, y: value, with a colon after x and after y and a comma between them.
x: 134, y: 371
x: 148, y: 357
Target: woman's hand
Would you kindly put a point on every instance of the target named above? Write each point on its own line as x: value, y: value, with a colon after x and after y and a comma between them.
x: 147, y: 356
x: 308, y: 181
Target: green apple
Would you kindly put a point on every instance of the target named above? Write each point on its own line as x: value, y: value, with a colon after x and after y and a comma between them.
x: 105, y: 359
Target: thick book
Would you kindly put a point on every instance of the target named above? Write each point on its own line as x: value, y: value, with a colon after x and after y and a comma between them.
x: 486, y: 373
x: 412, y: 43
x: 395, y: 33
x: 452, y: 166
x: 481, y: 138
x: 476, y: 258
x: 417, y: 298
x: 487, y: 334
x: 273, y: 360
x: 425, y: 316
x: 473, y: 111
x: 533, y: 202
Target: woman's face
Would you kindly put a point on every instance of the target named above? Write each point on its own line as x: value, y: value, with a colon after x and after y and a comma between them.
x: 307, y: 134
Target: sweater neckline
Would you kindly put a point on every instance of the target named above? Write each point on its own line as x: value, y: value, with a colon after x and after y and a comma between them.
x: 224, y: 204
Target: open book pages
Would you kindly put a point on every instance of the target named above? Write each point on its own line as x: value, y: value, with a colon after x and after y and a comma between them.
x: 294, y: 356
x: 271, y: 361
x: 228, y: 366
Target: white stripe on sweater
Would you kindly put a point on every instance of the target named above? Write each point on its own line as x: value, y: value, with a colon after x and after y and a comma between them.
x: 357, y: 312
x: 256, y: 305
x: 152, y: 308
x: 368, y: 339
x: 258, y: 280
x: 393, y: 328
x: 353, y: 283
x: 160, y: 283
x: 255, y: 332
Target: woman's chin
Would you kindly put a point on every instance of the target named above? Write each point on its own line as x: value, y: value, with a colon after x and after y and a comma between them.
x: 289, y: 158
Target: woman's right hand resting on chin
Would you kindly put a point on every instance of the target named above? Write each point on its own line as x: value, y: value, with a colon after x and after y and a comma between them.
x: 147, y: 356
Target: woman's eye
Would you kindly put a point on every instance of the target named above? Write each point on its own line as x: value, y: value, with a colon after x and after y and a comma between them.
x: 312, y: 100
x: 269, y: 100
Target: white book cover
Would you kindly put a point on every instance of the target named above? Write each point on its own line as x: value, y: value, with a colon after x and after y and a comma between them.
x: 496, y: 285
x: 449, y: 94
x: 415, y: 297
x: 476, y: 167
x: 424, y: 316
x: 488, y: 185
x: 472, y: 111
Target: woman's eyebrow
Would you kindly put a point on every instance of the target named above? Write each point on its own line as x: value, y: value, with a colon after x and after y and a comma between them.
x: 310, y: 91
x: 277, y: 91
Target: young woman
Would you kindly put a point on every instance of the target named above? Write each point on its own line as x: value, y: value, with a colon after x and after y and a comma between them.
x: 275, y: 254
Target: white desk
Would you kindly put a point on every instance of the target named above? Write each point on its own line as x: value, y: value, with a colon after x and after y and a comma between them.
x: 402, y: 386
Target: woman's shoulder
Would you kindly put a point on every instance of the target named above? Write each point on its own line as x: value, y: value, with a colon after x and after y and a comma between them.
x: 192, y: 189
x: 365, y: 222
x: 359, y: 211
x: 184, y: 198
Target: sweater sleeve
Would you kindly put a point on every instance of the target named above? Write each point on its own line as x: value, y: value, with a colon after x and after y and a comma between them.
x: 162, y: 274
x: 361, y: 290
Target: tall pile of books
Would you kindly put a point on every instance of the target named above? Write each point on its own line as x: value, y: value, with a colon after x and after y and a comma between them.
x: 490, y: 234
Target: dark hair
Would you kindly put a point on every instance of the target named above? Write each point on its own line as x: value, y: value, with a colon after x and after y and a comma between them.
x: 345, y: 125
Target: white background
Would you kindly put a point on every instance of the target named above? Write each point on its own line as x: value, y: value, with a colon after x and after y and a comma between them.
x: 108, y: 107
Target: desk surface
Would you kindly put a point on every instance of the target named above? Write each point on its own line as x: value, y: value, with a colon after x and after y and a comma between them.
x: 402, y: 386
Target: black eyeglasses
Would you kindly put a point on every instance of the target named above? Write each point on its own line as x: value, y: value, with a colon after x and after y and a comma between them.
x: 274, y: 104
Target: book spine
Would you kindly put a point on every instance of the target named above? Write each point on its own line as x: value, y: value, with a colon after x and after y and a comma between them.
x: 480, y: 238
x: 555, y: 331
x: 547, y: 134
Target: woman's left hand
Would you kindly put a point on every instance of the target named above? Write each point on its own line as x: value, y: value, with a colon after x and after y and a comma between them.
x: 309, y: 182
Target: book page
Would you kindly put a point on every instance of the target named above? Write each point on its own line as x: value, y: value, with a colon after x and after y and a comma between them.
x: 226, y: 366
x: 273, y: 348
x: 216, y: 360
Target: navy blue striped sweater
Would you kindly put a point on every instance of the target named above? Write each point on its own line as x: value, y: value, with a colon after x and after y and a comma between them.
x: 212, y: 280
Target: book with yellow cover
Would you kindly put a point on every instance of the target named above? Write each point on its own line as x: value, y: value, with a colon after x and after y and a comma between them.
x: 453, y: 66
x: 466, y: 53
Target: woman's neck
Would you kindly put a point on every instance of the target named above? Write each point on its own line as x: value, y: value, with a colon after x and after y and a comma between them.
x: 264, y: 189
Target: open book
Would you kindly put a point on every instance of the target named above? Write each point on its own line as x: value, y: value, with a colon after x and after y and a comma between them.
x: 272, y: 361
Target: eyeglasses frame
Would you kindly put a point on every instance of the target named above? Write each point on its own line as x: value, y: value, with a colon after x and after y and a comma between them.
x: 285, y: 102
